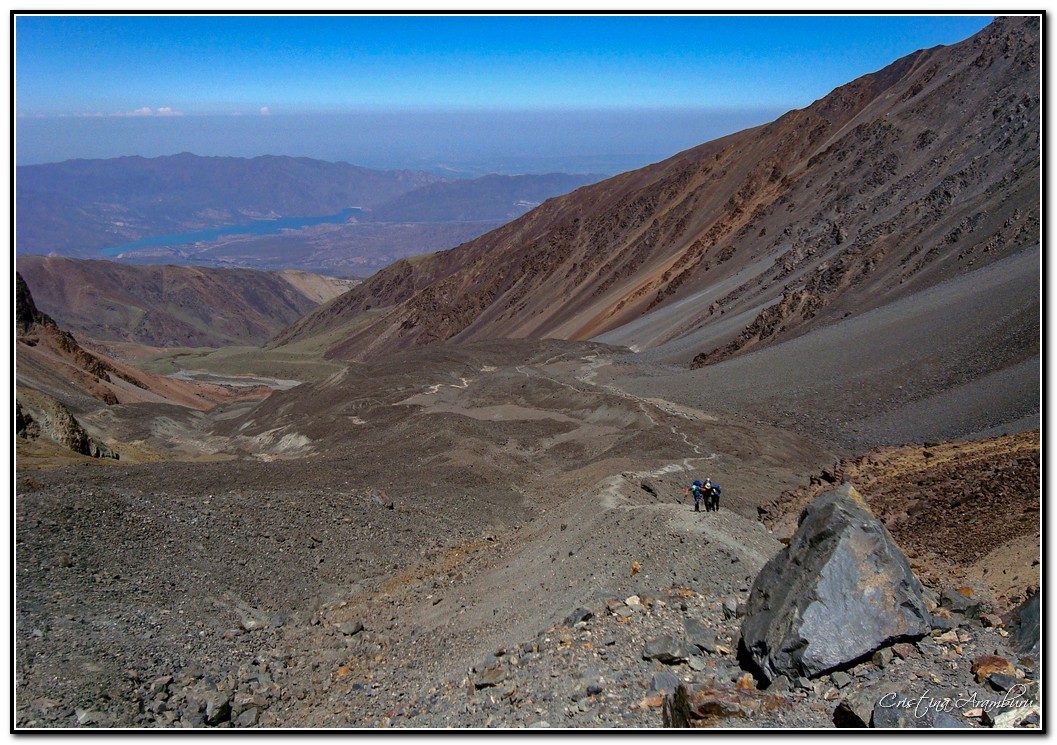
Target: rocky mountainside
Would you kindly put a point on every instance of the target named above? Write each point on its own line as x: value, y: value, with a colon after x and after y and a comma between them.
x: 76, y: 207
x: 919, y: 173
x: 172, y: 306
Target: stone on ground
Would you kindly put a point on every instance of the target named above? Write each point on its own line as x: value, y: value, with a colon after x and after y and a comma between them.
x: 839, y: 591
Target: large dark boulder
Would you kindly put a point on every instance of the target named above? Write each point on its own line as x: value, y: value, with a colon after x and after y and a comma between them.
x: 839, y: 591
x: 1025, y: 626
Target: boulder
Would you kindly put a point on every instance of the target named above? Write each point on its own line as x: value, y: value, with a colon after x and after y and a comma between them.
x: 664, y: 682
x: 490, y: 675
x: 1003, y: 682
x: 350, y: 628
x: 781, y: 684
x: 939, y: 623
x: 1025, y: 627
x: 991, y: 621
x: 247, y: 718
x: 578, y: 615
x: 856, y: 709
x: 902, y: 650
x: 699, y: 635
x: 883, y: 657
x: 839, y: 591
x: 218, y: 707
x: 841, y: 679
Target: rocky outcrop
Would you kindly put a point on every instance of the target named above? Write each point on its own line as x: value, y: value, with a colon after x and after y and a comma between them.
x: 1025, y: 625
x: 35, y: 327
x: 947, y: 504
x: 38, y: 415
x: 839, y: 591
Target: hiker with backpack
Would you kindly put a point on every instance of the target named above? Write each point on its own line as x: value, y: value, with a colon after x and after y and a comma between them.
x: 711, y: 494
x: 697, y: 489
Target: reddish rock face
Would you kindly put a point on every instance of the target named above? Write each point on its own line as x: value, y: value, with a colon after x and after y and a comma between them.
x: 165, y: 306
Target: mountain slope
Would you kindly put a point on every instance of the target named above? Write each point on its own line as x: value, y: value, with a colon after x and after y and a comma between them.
x: 923, y: 171
x: 76, y: 207
x: 172, y: 305
x: 49, y: 360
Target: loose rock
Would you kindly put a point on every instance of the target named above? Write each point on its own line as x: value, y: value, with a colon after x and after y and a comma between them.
x: 667, y: 649
x: 960, y: 603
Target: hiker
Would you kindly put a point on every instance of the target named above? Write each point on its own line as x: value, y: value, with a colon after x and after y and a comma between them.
x: 710, y: 492
x: 696, y: 489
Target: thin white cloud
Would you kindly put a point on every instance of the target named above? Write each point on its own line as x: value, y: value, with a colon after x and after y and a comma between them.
x: 148, y: 111
x: 265, y: 111
x: 142, y: 111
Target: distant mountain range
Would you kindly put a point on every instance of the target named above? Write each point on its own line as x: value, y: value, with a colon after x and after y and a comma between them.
x: 898, y: 217
x: 77, y: 207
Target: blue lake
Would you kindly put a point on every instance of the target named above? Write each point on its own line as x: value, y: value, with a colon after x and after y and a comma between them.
x: 256, y: 227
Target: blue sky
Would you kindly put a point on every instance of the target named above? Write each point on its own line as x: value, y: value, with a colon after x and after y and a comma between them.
x: 85, y: 84
x: 228, y: 64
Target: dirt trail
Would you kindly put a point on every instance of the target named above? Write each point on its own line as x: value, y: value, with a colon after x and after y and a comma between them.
x: 581, y: 552
x: 579, y: 555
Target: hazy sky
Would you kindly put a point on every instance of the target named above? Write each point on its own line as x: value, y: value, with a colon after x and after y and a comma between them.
x: 325, y: 79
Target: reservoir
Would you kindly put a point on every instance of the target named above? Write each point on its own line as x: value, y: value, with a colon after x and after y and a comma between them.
x: 256, y: 227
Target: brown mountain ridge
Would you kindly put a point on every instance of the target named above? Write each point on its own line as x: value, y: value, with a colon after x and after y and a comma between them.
x: 173, y: 306
x: 890, y: 185
x: 54, y: 371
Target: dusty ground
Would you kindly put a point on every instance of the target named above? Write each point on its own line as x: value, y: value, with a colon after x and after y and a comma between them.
x: 460, y: 504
